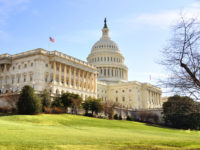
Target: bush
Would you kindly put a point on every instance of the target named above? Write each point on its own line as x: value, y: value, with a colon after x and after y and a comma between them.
x: 182, y: 112
x: 5, y: 109
x: 146, y: 116
x: 45, y: 99
x: 116, y: 117
x: 129, y: 118
x: 57, y: 102
x: 29, y: 102
x: 58, y: 110
x: 92, y: 104
x: 47, y: 110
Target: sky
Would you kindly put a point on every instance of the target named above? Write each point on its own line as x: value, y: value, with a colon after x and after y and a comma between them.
x: 141, y: 28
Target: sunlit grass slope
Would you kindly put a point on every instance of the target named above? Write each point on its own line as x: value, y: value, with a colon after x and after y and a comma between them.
x: 84, y: 133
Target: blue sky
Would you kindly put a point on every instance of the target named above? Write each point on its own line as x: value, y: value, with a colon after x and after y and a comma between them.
x: 141, y: 28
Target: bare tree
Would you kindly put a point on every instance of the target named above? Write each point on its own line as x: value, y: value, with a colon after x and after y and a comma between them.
x: 109, y: 107
x: 182, y: 58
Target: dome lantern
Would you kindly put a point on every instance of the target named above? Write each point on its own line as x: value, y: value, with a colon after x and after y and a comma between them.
x: 105, y: 30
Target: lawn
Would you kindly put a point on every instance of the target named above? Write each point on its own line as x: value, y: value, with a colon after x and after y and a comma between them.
x: 84, y: 133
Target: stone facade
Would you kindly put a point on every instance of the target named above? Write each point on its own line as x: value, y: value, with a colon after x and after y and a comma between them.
x: 105, y: 76
x: 113, y: 84
x: 50, y: 70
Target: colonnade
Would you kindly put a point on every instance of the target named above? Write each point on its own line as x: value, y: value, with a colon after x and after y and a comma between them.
x: 74, y: 77
x: 112, y: 72
x: 154, y: 98
x: 3, y: 71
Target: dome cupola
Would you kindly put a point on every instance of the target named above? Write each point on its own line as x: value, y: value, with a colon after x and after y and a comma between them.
x: 106, y: 56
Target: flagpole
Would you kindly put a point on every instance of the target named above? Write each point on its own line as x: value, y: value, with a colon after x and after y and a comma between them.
x: 48, y: 45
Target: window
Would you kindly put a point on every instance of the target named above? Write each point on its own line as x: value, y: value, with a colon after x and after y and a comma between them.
x: 116, y: 91
x: 46, y: 65
x: 108, y: 58
x: 25, y: 65
x: 24, y: 78
x: 18, y: 79
x: 31, y: 77
x: 13, y: 80
x: 123, y: 99
x: 19, y: 67
x: 13, y: 68
x: 130, y: 90
x: 116, y: 99
x: 7, y: 80
x: 1, y: 80
x: 31, y: 64
x: 46, y: 78
x: 123, y: 91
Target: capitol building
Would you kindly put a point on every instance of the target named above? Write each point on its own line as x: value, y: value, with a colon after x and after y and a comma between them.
x: 104, y: 75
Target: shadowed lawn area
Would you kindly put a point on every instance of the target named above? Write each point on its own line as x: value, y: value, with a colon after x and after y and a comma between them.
x: 64, y: 131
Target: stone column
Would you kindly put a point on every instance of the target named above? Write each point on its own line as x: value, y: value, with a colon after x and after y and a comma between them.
x: 54, y: 72
x: 91, y: 81
x: 95, y: 82
x: 59, y: 77
x: 113, y: 72
x: 4, y: 75
x: 82, y: 80
x: 74, y: 78
x: 86, y: 86
x: 69, y: 79
x: 65, y: 75
x: 78, y: 83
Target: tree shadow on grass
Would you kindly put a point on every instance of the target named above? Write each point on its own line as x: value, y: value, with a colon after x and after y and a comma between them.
x: 7, y: 114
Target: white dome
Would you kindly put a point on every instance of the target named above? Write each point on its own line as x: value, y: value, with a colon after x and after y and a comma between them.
x: 105, y: 44
x: 105, y: 55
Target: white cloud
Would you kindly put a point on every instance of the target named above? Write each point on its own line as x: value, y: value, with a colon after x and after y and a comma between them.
x: 163, y: 19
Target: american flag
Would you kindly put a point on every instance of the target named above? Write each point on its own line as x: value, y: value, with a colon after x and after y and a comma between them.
x: 52, y: 39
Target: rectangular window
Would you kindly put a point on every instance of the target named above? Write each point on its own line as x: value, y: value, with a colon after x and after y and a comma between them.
x: 7, y: 80
x: 13, y: 80
x: 31, y: 78
x: 18, y: 79
x: 24, y: 78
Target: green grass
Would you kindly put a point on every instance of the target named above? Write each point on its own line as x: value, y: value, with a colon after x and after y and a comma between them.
x: 84, y: 133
